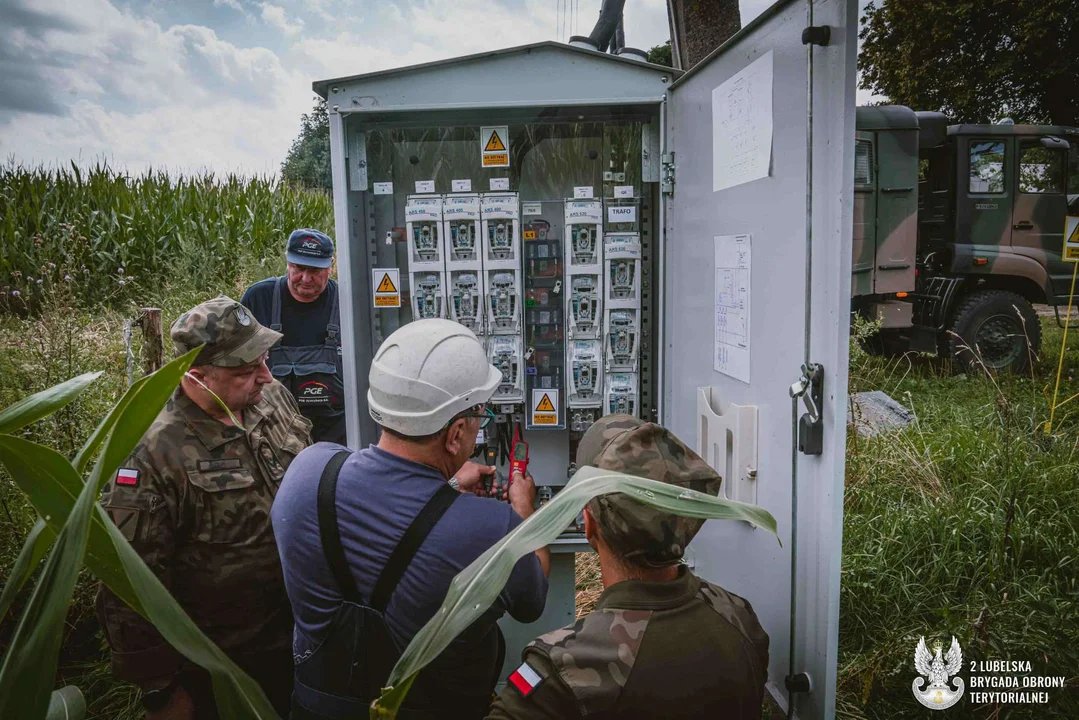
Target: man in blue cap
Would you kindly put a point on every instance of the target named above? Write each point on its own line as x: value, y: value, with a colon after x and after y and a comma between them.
x: 302, y: 305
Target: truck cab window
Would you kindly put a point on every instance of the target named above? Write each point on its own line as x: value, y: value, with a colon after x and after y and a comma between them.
x: 863, y: 163
x: 987, y: 167
x: 1041, y: 169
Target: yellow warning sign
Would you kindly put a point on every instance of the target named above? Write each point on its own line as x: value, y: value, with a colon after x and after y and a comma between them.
x: 386, y: 286
x: 529, y: 234
x: 494, y: 146
x: 494, y: 143
x: 545, y: 407
x: 386, y: 282
x: 1070, y: 252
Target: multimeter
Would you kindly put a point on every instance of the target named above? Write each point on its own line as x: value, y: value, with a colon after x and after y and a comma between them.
x: 518, y: 455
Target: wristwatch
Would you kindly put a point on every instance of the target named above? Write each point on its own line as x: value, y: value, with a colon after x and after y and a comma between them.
x: 455, y: 484
x: 154, y: 700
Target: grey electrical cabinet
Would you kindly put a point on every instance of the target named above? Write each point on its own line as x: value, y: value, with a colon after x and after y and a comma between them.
x: 627, y: 238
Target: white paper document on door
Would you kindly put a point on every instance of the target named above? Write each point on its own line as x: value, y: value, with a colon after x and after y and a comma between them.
x: 733, y: 274
x: 742, y: 126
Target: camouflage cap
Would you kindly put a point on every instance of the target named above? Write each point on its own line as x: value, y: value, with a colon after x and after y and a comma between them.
x: 229, y: 334
x: 633, y: 530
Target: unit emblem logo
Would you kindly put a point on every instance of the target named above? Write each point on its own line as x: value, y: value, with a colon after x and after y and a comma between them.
x: 940, y: 671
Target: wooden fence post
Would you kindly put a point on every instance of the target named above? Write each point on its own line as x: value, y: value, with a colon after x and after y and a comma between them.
x: 149, y: 321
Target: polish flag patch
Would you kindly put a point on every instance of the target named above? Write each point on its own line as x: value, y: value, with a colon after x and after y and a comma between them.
x: 525, y: 679
x: 127, y: 476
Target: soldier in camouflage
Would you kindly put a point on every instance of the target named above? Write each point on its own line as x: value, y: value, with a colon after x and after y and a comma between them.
x: 661, y: 643
x: 194, y: 500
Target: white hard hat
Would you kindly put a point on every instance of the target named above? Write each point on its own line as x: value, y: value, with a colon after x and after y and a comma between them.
x: 425, y: 373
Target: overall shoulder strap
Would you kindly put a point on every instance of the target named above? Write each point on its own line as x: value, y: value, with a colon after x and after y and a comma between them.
x: 413, y: 538
x: 275, y: 310
x: 328, y: 530
x: 333, y: 328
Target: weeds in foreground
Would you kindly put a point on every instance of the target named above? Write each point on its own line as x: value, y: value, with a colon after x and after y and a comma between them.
x: 963, y: 523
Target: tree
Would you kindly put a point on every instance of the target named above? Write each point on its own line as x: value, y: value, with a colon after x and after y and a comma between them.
x: 700, y: 26
x: 661, y: 54
x: 975, y: 60
x: 308, y: 161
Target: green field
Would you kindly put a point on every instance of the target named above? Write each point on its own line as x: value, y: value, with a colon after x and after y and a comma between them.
x: 965, y: 523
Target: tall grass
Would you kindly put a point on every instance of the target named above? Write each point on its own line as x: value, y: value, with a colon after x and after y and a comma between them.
x: 117, y: 238
x: 965, y: 523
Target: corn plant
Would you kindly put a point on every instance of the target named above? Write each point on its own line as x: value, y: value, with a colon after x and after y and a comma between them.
x: 114, y: 237
x: 474, y: 589
x: 79, y: 532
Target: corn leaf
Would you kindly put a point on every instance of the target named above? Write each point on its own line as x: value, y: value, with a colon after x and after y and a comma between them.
x: 67, y: 703
x: 34, y: 548
x: 474, y: 589
x: 101, y: 432
x: 26, y: 676
x: 46, y: 402
x: 52, y: 485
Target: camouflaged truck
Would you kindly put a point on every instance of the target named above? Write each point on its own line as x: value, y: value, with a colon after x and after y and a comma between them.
x: 958, y: 231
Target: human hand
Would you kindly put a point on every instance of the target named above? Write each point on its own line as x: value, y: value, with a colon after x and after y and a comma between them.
x: 522, y: 494
x: 473, y: 476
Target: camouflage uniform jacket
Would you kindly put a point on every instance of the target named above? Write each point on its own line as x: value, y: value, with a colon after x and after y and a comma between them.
x: 678, y: 649
x: 194, y: 501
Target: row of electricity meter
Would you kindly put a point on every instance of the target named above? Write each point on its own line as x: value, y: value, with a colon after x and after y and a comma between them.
x: 464, y: 260
x: 603, y: 273
x: 465, y: 263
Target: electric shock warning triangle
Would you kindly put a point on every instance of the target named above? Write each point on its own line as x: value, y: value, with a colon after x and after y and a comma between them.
x: 545, y: 404
x: 494, y: 143
x: 386, y: 286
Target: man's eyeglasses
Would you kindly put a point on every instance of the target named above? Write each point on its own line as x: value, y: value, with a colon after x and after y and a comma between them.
x: 486, y: 416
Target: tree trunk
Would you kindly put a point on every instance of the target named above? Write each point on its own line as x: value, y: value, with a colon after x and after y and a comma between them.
x: 700, y: 26
x: 149, y: 321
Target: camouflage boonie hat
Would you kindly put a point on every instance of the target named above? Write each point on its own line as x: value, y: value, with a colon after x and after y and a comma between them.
x: 635, y: 531
x: 230, y: 335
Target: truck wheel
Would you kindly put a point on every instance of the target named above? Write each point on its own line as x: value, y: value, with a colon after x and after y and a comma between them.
x: 996, y: 327
x: 885, y: 343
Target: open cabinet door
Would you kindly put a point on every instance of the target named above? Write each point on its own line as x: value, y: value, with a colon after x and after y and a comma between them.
x: 757, y: 282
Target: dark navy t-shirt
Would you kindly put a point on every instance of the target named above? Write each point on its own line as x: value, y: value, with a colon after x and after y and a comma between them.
x: 378, y: 496
x: 302, y: 324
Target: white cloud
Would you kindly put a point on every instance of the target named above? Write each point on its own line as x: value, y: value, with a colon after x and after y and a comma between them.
x: 322, y: 9
x: 276, y: 16
x: 141, y: 95
x: 234, y: 4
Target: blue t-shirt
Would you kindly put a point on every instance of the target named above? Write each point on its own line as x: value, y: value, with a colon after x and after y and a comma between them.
x: 378, y: 496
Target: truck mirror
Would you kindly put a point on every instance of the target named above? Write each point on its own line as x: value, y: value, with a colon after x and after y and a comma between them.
x: 1054, y: 143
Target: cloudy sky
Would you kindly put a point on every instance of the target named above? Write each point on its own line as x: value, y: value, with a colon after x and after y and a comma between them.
x: 188, y: 85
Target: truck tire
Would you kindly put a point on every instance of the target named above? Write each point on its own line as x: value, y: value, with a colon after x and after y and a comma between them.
x: 995, y: 328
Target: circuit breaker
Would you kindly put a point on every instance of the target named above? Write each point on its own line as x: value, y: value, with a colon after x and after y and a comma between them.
x: 461, y: 228
x: 464, y: 267
x: 585, y: 374
x: 501, y: 247
x: 426, y: 255
x: 622, y: 313
x: 505, y: 353
x: 584, y: 304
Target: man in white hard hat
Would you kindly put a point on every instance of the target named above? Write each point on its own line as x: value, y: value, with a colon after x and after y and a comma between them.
x: 369, y: 541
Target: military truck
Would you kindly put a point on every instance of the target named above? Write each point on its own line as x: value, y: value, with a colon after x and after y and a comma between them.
x: 958, y: 232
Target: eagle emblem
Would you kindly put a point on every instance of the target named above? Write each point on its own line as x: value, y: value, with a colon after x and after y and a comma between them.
x: 939, y: 693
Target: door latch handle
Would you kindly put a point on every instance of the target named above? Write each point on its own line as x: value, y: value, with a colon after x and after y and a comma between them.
x: 810, y: 387
x: 1023, y: 225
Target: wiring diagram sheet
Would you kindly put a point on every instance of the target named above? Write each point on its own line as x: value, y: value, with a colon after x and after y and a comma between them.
x: 733, y: 275
x: 742, y: 126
